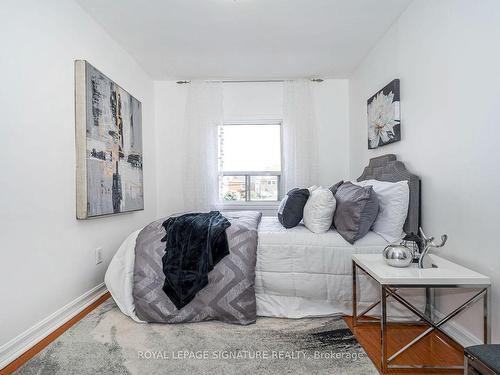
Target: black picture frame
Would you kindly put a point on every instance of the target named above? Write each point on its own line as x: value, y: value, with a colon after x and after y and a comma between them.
x: 384, y: 116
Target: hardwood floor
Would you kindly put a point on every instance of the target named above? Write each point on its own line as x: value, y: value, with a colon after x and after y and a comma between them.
x: 435, y: 349
x: 25, y: 357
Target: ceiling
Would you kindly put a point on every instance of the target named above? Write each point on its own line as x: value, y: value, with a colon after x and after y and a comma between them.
x: 246, y: 39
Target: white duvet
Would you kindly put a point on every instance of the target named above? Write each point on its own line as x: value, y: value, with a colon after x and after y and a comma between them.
x: 119, y: 278
x: 303, y: 274
x: 298, y: 273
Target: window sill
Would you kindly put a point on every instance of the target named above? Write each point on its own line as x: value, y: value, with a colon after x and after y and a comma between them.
x: 250, y: 206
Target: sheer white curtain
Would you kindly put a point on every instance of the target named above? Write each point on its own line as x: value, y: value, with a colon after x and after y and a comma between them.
x: 300, y: 144
x: 201, y: 168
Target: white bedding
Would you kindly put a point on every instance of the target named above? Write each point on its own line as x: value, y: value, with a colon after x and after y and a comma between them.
x: 298, y: 273
x: 302, y: 274
x: 119, y: 278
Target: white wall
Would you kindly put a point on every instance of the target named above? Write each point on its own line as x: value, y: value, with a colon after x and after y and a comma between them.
x: 243, y: 101
x: 447, y: 57
x: 47, y: 256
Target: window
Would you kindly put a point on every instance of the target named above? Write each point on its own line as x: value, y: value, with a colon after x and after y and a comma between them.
x: 250, y: 162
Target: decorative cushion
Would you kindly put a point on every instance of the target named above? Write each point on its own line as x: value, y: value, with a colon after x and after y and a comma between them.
x: 319, y: 210
x: 357, y: 209
x: 291, y: 208
x: 334, y: 189
x: 394, y: 198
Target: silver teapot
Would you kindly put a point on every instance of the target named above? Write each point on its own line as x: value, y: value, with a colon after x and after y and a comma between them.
x: 397, y: 255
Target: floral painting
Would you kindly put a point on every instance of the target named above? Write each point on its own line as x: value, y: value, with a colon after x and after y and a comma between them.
x: 384, y: 119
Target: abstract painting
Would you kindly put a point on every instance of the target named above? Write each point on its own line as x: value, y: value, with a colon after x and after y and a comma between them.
x: 384, y: 118
x: 109, y: 145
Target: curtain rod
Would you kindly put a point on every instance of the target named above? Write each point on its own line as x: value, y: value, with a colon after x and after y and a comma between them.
x: 263, y: 80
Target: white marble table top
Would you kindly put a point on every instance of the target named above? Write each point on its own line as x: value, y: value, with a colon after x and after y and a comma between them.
x: 446, y: 273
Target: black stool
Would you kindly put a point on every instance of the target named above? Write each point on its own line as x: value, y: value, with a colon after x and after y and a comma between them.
x: 482, y: 359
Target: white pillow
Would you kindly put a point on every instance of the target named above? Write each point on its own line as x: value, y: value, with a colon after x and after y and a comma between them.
x: 394, y: 198
x: 319, y: 210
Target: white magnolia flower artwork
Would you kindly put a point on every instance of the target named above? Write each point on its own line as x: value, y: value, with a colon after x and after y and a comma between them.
x: 384, y: 122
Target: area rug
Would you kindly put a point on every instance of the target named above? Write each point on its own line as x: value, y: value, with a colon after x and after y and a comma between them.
x: 108, y: 342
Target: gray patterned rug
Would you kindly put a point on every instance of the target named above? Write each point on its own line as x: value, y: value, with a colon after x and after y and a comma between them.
x: 108, y: 342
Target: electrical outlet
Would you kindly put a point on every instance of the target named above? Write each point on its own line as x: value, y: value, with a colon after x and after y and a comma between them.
x: 98, y: 255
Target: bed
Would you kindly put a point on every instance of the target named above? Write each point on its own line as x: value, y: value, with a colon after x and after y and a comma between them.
x: 297, y: 274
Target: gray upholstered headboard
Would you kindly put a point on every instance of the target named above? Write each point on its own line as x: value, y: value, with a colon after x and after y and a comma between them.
x: 387, y: 168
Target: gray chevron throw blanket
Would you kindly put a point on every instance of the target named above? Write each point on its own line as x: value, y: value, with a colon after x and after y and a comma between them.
x: 229, y: 295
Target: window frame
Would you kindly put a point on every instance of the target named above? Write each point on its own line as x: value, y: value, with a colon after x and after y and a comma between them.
x: 248, y: 174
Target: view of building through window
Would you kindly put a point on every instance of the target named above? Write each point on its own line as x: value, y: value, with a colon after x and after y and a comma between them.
x: 250, y: 162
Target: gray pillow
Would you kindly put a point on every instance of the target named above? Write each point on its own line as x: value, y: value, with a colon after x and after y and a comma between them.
x: 291, y: 207
x: 334, y: 189
x: 357, y: 209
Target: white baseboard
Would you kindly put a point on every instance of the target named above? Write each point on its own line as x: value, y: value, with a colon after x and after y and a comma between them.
x: 26, y: 340
x: 458, y: 332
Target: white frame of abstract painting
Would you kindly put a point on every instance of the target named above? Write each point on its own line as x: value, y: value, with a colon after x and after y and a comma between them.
x: 108, y: 136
